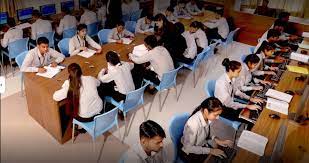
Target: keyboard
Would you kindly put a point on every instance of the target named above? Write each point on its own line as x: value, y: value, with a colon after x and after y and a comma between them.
x: 283, y: 65
x: 261, y: 94
x: 229, y: 152
x: 254, y: 114
x: 277, y: 77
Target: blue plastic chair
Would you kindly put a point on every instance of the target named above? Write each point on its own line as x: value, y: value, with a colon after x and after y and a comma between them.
x: 49, y: 36
x: 176, y: 128
x: 92, y: 29
x: 14, y: 49
x: 69, y: 33
x: 103, y: 35
x: 130, y: 26
x: 252, y: 50
x: 126, y: 17
x: 133, y: 100
x: 101, y: 124
x: 242, y: 58
x: 229, y: 40
x: 19, y: 60
x: 63, y: 46
x: 136, y: 15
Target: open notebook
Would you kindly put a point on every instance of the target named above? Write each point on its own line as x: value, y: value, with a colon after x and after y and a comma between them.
x: 252, y: 142
x: 87, y: 53
x: 51, y: 71
x: 126, y: 41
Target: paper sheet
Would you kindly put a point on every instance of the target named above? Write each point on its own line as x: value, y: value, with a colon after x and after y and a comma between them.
x: 305, y: 34
x: 252, y: 142
x: 87, y: 53
x: 299, y: 57
x: 298, y: 69
x: 277, y: 106
x: 126, y: 41
x: 51, y: 72
x: 304, y: 46
x: 279, y: 95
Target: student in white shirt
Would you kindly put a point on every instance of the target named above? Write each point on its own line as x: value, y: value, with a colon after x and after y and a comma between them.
x: 150, y: 148
x: 198, y: 140
x: 129, y: 6
x: 13, y: 34
x: 217, y: 28
x: 67, y: 22
x: 180, y: 10
x: 118, y: 33
x: 197, y: 29
x: 193, y: 9
x: 81, y: 41
x: 88, y: 17
x: 169, y: 13
x: 39, y: 26
x: 101, y: 12
x: 117, y: 78
x: 81, y: 92
x: 145, y: 25
x: 41, y: 56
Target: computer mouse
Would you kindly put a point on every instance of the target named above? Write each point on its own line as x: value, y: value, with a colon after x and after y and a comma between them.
x: 274, y: 116
x: 289, y: 92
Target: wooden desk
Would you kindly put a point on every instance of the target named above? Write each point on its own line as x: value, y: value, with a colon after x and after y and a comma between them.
x: 208, y: 15
x: 39, y: 91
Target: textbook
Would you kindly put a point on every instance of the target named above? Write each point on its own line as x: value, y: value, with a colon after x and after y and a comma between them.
x: 252, y: 142
x: 126, y: 41
x: 87, y: 53
x: 50, y: 71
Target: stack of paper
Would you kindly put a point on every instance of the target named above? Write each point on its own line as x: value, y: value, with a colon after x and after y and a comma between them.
x: 299, y: 57
x: 140, y: 50
x: 87, y: 53
x: 252, y: 142
x: 278, y: 101
x: 126, y: 41
x: 50, y: 71
x: 305, y: 34
x: 298, y: 69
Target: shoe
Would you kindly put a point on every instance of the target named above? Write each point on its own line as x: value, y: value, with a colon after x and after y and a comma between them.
x: 120, y: 115
x: 81, y: 131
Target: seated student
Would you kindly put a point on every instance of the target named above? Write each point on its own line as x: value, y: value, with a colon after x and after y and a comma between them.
x: 118, y: 33
x: 271, y: 39
x: 191, y: 51
x: 88, y: 17
x: 290, y: 28
x: 145, y: 25
x: 67, y: 22
x: 180, y: 10
x: 225, y: 90
x: 41, y: 56
x: 84, y: 102
x: 129, y: 6
x: 150, y: 145
x: 101, y: 12
x: 81, y: 41
x: 197, y: 137
x: 284, y: 38
x: 193, y: 9
x: 169, y: 13
x: 217, y: 28
x: 12, y: 34
x: 197, y: 29
x: 117, y: 78
x: 39, y: 26
x: 159, y: 58
x: 164, y: 30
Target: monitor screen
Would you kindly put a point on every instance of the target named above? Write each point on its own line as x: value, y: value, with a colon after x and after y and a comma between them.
x: 3, y: 18
x: 48, y: 9
x: 84, y: 3
x: 68, y: 5
x: 24, y: 14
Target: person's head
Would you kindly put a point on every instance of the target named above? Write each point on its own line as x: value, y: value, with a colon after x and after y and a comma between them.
x: 194, y: 26
x: 151, y: 136
x: 279, y: 25
x: 82, y: 30
x: 169, y: 11
x: 11, y: 22
x: 85, y: 5
x: 233, y: 68
x: 148, y: 18
x: 265, y: 3
x: 252, y: 61
x: 151, y: 42
x: 112, y: 58
x: 75, y: 73
x: 43, y: 45
x: 273, y: 35
x: 120, y: 26
x: 181, y: 3
x: 66, y: 11
x: 193, y: 2
x: 179, y: 28
x: 160, y: 20
x: 211, y: 108
x: 36, y: 14
x: 284, y: 16
x: 268, y: 50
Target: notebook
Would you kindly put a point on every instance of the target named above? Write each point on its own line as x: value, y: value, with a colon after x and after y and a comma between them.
x: 277, y: 106
x: 279, y: 95
x: 299, y: 57
x: 51, y: 71
x: 87, y: 54
x: 252, y: 142
x: 126, y: 41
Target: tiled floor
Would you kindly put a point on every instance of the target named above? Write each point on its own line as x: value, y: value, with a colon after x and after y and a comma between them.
x: 23, y: 140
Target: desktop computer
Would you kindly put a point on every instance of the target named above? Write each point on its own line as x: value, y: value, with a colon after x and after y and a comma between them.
x: 68, y: 5
x: 25, y: 14
x: 3, y: 18
x: 48, y: 10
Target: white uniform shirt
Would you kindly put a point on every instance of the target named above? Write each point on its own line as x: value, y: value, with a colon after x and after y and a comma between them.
x: 121, y: 75
x: 40, y: 26
x: 67, y: 22
x: 90, y: 103
x: 88, y: 17
x: 201, y: 39
x: 191, y: 51
x: 193, y: 9
x: 159, y: 58
x: 142, y: 27
x: 76, y: 42
x: 11, y: 35
x: 221, y: 24
x: 114, y: 35
x: 34, y: 59
x: 243, y: 81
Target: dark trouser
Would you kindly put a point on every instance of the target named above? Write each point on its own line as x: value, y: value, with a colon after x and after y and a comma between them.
x: 108, y: 89
x: 212, y: 34
x: 233, y: 115
x: 90, y: 119
x: 199, y: 49
x: 140, y: 72
x: 192, y: 158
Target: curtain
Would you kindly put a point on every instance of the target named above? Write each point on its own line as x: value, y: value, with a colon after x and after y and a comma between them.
x: 295, y: 7
x: 10, y: 6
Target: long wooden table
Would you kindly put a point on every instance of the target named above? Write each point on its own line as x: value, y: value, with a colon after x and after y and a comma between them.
x: 269, y: 128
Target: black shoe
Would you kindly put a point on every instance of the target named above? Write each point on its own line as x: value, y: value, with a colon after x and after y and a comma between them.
x: 120, y: 115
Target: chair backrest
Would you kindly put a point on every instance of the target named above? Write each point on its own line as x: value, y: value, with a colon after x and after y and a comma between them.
x: 252, y: 50
x: 169, y: 79
x: 207, y: 52
x: 176, y: 128
x: 230, y: 36
x: 243, y: 57
x: 199, y: 58
x: 63, y: 45
x: 49, y: 36
x: 126, y: 17
x: 134, y: 99
x: 209, y: 88
x: 20, y: 58
x: 105, y: 121
x: 69, y: 33
x: 136, y: 15
x: 103, y: 35
x: 17, y: 47
x: 92, y: 29
x: 130, y: 26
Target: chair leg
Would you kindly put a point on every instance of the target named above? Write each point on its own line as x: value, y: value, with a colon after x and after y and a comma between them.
x: 194, y: 79
x: 73, y: 133
x: 11, y: 67
x: 22, y: 85
x: 119, y: 132
x: 125, y: 126
x: 176, y: 93
x: 160, y: 108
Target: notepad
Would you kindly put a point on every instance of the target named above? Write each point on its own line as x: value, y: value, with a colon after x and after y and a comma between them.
x: 298, y: 69
x: 252, y: 142
x: 126, y: 41
x: 279, y: 95
x: 304, y: 46
x: 305, y: 34
x: 139, y: 50
x: 50, y: 71
x: 87, y: 53
x: 299, y: 57
x: 277, y: 106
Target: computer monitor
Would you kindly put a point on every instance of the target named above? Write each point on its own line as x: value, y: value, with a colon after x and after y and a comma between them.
x: 3, y: 18
x: 68, y: 5
x: 84, y: 3
x: 47, y: 10
x: 24, y: 14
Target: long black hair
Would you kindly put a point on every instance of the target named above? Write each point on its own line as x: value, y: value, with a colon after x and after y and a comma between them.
x: 230, y: 65
x: 212, y: 104
x: 81, y: 27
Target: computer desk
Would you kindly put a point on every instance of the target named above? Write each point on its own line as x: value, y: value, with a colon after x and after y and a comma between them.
x: 208, y: 15
x: 269, y: 128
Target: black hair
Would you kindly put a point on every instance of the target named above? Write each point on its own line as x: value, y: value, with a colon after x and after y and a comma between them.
x: 283, y: 15
x: 272, y: 33
x: 120, y: 23
x: 179, y: 28
x: 231, y: 65
x: 181, y: 1
x: 150, y: 129
x: 197, y: 24
x: 149, y: 16
x: 81, y: 27
x: 42, y: 40
x: 280, y: 23
x: 36, y: 13
x: 212, y: 104
x: 267, y: 47
x: 112, y: 57
x: 169, y: 8
x: 66, y: 10
x: 252, y: 58
x: 11, y: 22
x: 85, y: 5
x: 151, y: 41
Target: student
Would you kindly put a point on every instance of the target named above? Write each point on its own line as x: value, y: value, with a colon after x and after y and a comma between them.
x: 118, y: 33
x: 145, y: 25
x: 39, y: 26
x: 159, y: 58
x: 150, y: 145
x: 169, y: 13
x: 81, y: 41
x: 101, y: 12
x: 13, y: 34
x: 272, y: 38
x: 225, y: 90
x: 41, y: 56
x: 264, y: 10
x: 196, y: 28
x: 280, y: 26
x: 180, y: 10
x: 88, y: 17
x: 164, y: 30
x: 117, y: 78
x: 67, y: 22
x: 197, y: 136
x: 129, y: 6
x: 285, y: 16
x: 191, y: 51
x: 81, y: 92
x: 193, y: 9
x: 217, y: 28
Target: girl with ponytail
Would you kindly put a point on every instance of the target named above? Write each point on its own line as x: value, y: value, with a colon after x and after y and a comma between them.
x: 198, y: 31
